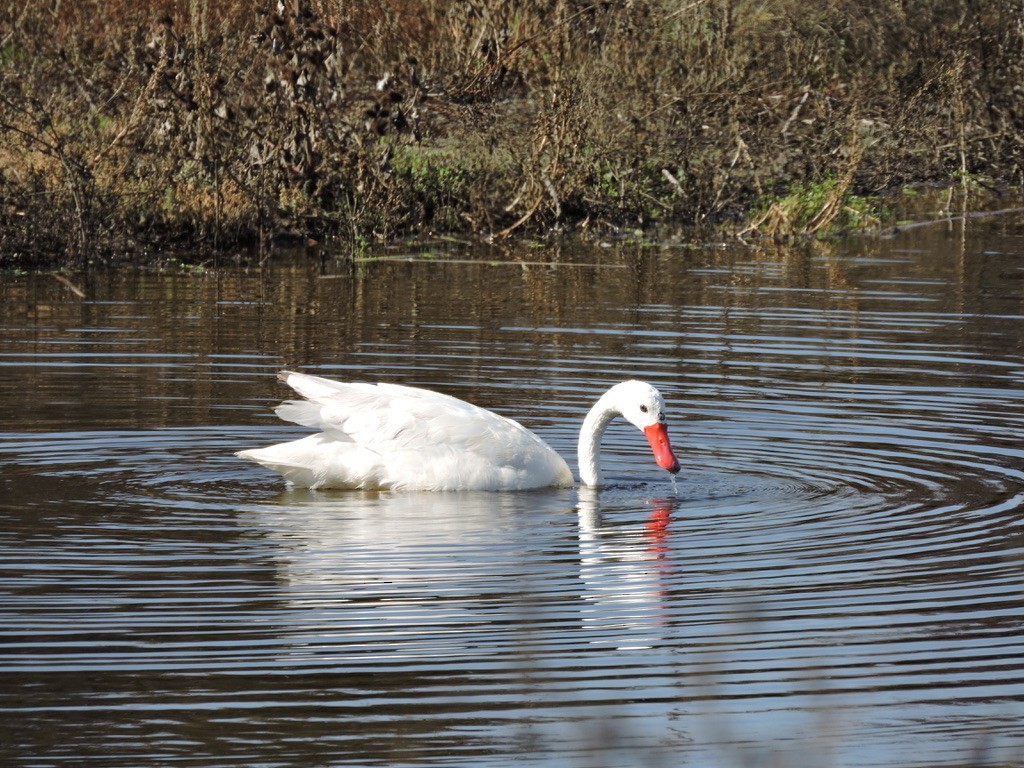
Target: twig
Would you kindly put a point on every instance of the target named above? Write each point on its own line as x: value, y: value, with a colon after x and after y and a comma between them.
x: 68, y: 284
x: 672, y: 180
x: 795, y: 112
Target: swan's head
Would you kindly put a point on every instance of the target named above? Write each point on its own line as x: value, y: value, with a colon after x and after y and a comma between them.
x: 644, y: 407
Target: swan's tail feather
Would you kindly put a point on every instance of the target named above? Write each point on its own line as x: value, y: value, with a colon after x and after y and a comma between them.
x: 300, y: 412
x: 317, y: 461
x: 296, y: 474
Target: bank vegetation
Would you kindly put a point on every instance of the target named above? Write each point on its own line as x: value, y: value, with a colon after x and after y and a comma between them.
x: 202, y: 127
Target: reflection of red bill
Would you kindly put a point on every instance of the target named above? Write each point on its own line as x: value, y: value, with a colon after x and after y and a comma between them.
x: 657, y: 436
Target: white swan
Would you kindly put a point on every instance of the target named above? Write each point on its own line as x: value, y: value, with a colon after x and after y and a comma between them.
x: 388, y: 436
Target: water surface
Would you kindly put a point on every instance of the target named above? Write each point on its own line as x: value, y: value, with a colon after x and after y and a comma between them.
x: 837, y: 579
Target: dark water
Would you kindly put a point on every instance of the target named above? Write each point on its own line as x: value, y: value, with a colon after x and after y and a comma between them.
x: 837, y: 580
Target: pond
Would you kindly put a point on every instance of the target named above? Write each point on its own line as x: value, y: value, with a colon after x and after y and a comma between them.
x: 836, y: 578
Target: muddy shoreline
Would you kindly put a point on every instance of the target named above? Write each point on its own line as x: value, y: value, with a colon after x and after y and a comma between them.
x: 132, y: 129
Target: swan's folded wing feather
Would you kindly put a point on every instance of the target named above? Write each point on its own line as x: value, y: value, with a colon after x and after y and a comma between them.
x: 424, y: 438
x: 315, y: 388
x: 397, y: 421
x: 387, y: 417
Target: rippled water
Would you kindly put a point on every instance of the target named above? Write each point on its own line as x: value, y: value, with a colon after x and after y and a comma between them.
x: 837, y: 579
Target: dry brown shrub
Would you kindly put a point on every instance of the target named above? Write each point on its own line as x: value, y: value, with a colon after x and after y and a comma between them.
x: 222, y: 125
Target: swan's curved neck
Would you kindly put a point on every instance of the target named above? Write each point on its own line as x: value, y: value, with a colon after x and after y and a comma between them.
x: 589, y: 449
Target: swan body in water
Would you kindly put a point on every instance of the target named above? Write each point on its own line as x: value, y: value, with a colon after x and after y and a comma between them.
x: 390, y: 436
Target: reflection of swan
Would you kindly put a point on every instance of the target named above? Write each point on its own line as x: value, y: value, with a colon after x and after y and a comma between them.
x: 380, y: 578
x: 402, y: 546
x: 387, y: 436
x: 625, y: 571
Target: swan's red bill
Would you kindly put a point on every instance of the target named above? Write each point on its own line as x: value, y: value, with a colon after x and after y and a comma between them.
x: 657, y: 436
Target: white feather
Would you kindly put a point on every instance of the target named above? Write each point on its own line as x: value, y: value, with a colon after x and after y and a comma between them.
x: 388, y: 436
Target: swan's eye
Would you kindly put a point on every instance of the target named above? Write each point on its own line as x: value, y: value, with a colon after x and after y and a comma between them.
x: 661, y: 417
x: 643, y: 409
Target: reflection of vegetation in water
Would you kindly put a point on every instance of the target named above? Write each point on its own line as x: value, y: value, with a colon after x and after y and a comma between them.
x: 127, y: 126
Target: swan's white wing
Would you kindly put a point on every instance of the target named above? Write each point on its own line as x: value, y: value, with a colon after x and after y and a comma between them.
x: 393, y: 436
